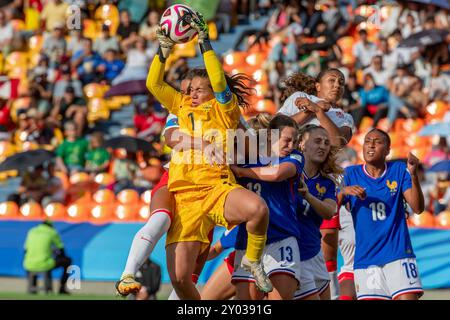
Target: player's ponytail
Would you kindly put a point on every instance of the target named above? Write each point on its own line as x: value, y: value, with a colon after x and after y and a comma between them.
x: 238, y: 85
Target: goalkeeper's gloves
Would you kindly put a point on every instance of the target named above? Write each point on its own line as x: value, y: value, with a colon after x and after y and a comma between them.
x: 199, y: 24
x: 165, y: 43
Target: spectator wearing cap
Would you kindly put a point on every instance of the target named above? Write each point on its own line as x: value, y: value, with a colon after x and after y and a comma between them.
x: 6, y: 34
x: 53, y: 13
x: 86, y: 62
x: 71, y: 107
x: 55, y: 44
x: 364, y: 50
x: 127, y: 28
x: 71, y: 153
x: 66, y: 80
x: 380, y: 75
x: 105, y: 42
x: 111, y: 66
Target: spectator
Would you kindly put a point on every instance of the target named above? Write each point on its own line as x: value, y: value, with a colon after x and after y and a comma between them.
x: 54, y: 13
x: 438, y: 85
x: 6, y: 34
x: 37, y: 131
x: 439, y: 152
x: 72, y: 108
x: 373, y: 101
x: 40, y: 94
x: 127, y: 28
x: 379, y: 74
x: 41, y: 243
x: 125, y: 170
x: 111, y: 66
x: 97, y: 158
x: 106, y: 41
x: 148, y: 122
x: 148, y: 28
x: 390, y: 58
x: 86, y: 62
x: 65, y: 81
x: 55, y: 187
x: 71, y: 154
x: 364, y: 50
x: 33, y: 186
x: 411, y: 26
x: 138, y: 60
x: 55, y: 44
x: 75, y: 43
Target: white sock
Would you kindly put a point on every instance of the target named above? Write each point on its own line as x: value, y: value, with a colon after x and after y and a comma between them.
x: 145, y: 240
x: 173, y: 296
x: 334, y: 285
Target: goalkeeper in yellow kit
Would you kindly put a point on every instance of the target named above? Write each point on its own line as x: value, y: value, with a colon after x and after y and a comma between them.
x: 206, y: 195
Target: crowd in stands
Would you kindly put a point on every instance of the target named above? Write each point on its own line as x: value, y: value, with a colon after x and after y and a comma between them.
x: 54, y: 77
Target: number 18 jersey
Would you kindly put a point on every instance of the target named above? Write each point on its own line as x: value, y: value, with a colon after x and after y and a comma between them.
x: 381, y: 232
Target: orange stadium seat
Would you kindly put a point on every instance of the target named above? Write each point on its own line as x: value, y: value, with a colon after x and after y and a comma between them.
x: 266, y: 105
x: 18, y: 25
x: 185, y: 50
x: 104, y: 196
x: 90, y: 29
x: 443, y: 219
x: 9, y: 210
x: 104, y: 179
x: 78, y: 212
x: 95, y: 90
x: 128, y: 196
x: 423, y: 220
x: 126, y: 212
x: 128, y: 132
x: 35, y: 43
x: 107, y: 14
x: 144, y: 212
x: 102, y: 213
x: 79, y: 177
x: 436, y: 110
x: 146, y: 197
x: 97, y: 109
x: 6, y: 149
x: 31, y: 211
x: 55, y: 211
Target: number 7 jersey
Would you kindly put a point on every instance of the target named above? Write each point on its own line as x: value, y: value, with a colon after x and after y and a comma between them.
x: 380, y: 224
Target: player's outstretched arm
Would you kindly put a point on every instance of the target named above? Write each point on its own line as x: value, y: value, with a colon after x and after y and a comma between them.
x: 414, y: 195
x: 278, y: 173
x: 164, y: 93
x: 213, y: 66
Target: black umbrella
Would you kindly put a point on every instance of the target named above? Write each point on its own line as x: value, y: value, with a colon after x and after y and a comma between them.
x: 438, y: 3
x: 131, y: 144
x: 424, y: 38
x: 24, y: 160
x: 128, y: 88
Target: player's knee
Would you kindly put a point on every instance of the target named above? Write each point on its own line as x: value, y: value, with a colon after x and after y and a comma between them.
x: 259, y: 210
x: 181, y: 281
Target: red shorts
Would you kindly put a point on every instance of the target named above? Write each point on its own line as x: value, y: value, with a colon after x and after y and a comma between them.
x: 230, y: 261
x: 333, y: 223
x: 162, y: 182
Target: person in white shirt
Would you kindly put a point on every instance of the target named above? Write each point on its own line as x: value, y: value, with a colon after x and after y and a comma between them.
x: 380, y: 75
x: 364, y: 50
x: 6, y: 34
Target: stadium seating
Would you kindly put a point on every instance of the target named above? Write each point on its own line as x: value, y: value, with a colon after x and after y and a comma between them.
x: 104, y: 196
x: 102, y: 213
x: 146, y: 197
x: 128, y: 197
x: 31, y: 211
x: 104, y: 179
x: 144, y: 212
x: 79, y: 177
x: 423, y: 220
x: 55, y: 211
x: 9, y: 210
x: 126, y: 212
x: 107, y: 14
x: 443, y: 219
x: 78, y: 212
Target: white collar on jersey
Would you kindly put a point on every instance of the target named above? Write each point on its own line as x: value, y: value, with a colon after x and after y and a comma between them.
x: 367, y: 173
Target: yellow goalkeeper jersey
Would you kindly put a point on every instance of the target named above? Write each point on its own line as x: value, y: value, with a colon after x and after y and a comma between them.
x: 210, y: 120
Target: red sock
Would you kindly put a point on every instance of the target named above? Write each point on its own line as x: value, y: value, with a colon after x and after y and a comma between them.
x: 345, y: 298
x: 331, y: 265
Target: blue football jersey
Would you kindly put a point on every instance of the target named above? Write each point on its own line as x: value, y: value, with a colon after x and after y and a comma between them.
x: 282, y: 201
x: 322, y: 188
x: 381, y: 232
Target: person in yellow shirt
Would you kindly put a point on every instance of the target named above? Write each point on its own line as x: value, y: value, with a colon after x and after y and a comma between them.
x: 206, y: 195
x: 54, y: 14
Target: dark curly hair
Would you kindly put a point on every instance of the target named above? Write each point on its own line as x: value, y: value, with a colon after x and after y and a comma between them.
x: 298, y: 81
